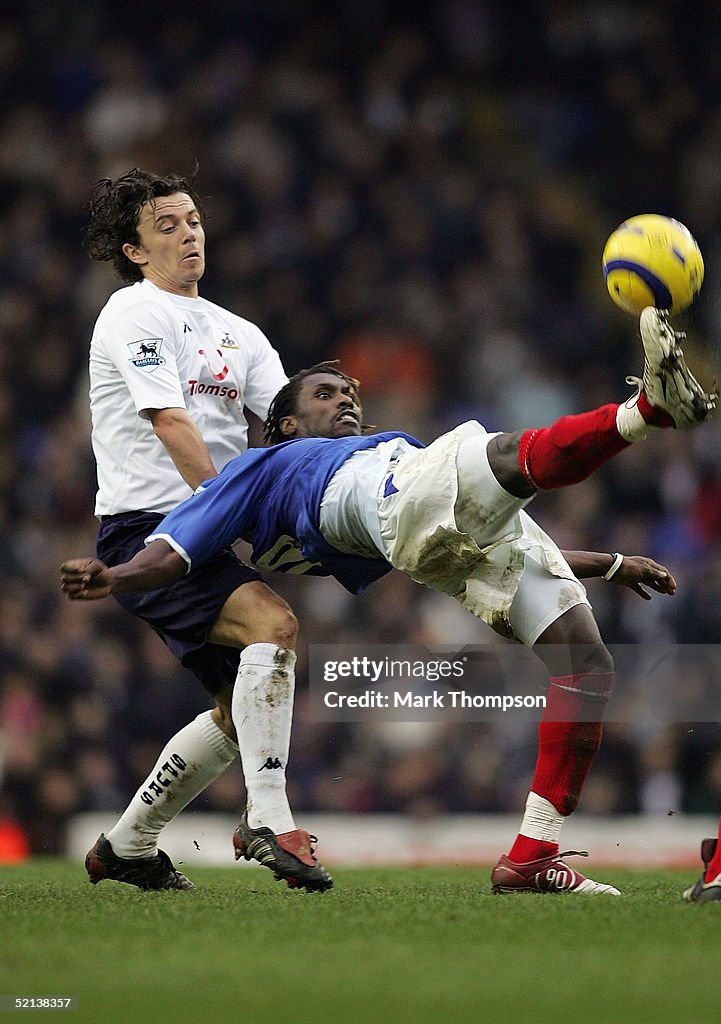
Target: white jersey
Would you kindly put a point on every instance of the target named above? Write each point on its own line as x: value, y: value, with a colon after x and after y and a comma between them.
x: 154, y: 350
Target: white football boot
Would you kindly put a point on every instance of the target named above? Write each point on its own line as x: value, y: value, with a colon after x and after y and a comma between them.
x: 667, y: 381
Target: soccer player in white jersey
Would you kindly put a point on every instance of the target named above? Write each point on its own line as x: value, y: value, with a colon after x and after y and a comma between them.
x: 170, y: 375
x: 332, y: 501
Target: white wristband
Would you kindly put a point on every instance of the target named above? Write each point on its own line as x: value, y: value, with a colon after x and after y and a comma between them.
x: 617, y: 560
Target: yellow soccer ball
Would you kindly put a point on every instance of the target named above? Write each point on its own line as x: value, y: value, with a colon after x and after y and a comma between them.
x: 652, y: 260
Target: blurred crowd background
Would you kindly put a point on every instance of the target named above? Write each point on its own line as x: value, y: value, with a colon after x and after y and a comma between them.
x: 422, y: 191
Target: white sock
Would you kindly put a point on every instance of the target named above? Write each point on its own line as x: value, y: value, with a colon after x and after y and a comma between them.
x: 630, y: 423
x: 194, y: 757
x: 541, y: 820
x: 262, y: 712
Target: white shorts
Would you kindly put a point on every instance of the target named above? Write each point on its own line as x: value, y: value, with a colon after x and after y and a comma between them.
x: 541, y: 596
x: 452, y: 527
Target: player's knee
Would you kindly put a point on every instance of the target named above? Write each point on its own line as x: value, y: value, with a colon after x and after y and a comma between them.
x: 503, y: 459
x: 572, y: 644
x: 608, y: 663
x: 576, y: 657
x: 590, y: 657
x: 597, y: 659
x: 253, y: 614
x: 282, y: 628
x: 274, y: 622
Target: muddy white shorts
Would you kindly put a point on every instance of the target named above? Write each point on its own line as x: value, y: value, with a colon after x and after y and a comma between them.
x: 448, y: 523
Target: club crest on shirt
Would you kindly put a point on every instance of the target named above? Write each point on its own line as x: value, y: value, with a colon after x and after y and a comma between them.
x: 146, y: 353
x: 227, y: 342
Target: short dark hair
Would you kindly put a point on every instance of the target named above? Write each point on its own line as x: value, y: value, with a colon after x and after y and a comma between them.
x: 114, y: 212
x: 285, y: 402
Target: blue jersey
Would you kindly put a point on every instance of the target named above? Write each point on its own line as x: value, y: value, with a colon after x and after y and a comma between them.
x: 270, y: 497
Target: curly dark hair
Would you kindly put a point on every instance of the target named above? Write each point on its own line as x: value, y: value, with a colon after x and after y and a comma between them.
x: 114, y: 211
x: 284, y: 403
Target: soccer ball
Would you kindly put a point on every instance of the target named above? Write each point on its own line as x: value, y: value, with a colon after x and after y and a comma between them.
x: 652, y: 260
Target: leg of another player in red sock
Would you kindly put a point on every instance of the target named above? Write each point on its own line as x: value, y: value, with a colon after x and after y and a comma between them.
x: 714, y: 868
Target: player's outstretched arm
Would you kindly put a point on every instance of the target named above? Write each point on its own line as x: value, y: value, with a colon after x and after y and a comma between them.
x: 88, y: 579
x: 633, y: 571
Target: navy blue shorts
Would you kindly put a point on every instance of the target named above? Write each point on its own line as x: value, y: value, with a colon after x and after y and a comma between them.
x: 182, y: 614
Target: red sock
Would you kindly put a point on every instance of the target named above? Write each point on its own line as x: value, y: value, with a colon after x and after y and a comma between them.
x: 655, y: 417
x: 570, y: 449
x: 714, y: 866
x: 569, y: 734
x: 525, y: 849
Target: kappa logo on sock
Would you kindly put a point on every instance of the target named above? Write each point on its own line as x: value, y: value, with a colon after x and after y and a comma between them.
x: 271, y: 763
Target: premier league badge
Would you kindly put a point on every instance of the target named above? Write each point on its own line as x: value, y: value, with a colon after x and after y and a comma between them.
x: 146, y: 353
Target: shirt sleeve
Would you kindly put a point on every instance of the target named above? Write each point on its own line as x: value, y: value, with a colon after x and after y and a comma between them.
x: 140, y: 342
x: 266, y: 375
x: 212, y: 519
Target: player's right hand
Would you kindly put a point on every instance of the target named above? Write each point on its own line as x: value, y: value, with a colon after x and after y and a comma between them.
x: 85, y: 579
x: 636, y: 570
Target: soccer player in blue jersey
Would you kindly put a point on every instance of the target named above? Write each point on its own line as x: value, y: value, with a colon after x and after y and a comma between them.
x: 329, y: 499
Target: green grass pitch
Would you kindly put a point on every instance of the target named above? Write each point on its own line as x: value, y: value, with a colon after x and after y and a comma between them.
x: 396, y: 945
